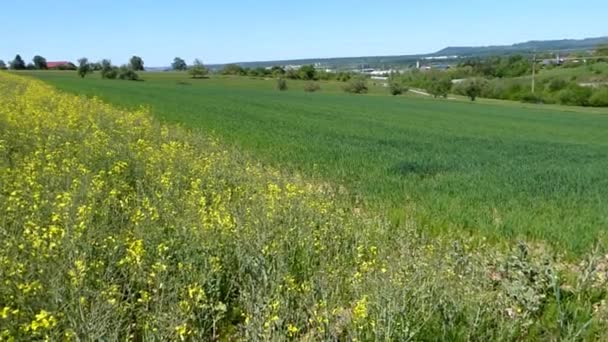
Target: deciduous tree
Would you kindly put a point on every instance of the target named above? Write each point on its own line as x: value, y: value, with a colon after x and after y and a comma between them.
x: 136, y: 63
x: 18, y: 63
x: 84, y: 67
x: 179, y: 64
x: 198, y: 70
x: 39, y: 62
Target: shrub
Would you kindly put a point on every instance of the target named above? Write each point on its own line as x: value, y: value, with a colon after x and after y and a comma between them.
x: 599, y: 98
x: 356, y: 86
x: 311, y: 87
x: 557, y: 84
x: 396, y: 85
x: 281, y: 84
x: 128, y: 74
x: 474, y: 88
x: 198, y: 69
x: 531, y: 98
x: 107, y: 70
x: 110, y: 74
x: 439, y: 86
x: 575, y: 95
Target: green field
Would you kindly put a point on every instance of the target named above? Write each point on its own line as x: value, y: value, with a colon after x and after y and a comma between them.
x: 502, y: 169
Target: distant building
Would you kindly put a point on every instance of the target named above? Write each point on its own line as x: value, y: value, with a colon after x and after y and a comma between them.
x: 61, y: 65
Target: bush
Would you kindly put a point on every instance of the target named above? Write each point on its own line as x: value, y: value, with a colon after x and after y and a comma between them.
x: 575, y: 95
x: 557, y: 84
x: 281, y: 84
x: 474, y: 88
x: 110, y: 74
x: 396, y: 85
x: 356, y: 86
x: 531, y: 98
x: 107, y: 70
x: 599, y: 98
x: 128, y: 74
x: 311, y: 87
x: 439, y: 87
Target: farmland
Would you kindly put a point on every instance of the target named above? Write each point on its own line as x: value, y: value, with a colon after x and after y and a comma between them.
x: 115, y: 225
x: 503, y: 170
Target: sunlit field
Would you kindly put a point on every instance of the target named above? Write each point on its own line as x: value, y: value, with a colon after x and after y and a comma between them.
x: 499, y: 169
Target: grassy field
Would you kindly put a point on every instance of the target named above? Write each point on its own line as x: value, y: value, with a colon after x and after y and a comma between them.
x: 502, y: 169
x: 114, y: 226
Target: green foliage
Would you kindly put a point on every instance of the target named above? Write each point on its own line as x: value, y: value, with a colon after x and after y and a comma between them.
x: 126, y: 73
x: 537, y: 172
x: 281, y: 84
x: 307, y: 73
x: 18, y: 63
x: 473, y: 88
x: 2, y: 65
x: 197, y: 69
x: 599, y: 97
x: 602, y: 51
x: 396, y: 84
x: 68, y: 66
x: 575, y: 95
x: 531, y: 98
x: 136, y: 63
x: 439, y: 86
x: 179, y: 64
x: 496, y: 66
x: 233, y: 69
x: 357, y: 85
x: 108, y: 70
x: 277, y: 71
x: 557, y: 84
x: 312, y: 87
x: 39, y: 62
x: 84, y: 67
x: 343, y: 76
x: 175, y: 235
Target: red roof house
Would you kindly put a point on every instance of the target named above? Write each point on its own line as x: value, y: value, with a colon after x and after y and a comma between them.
x: 61, y: 65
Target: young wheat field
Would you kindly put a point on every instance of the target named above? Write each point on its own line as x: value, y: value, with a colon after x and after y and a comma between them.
x: 505, y: 170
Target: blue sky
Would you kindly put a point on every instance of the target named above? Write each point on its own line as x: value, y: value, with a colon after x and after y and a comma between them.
x: 231, y: 31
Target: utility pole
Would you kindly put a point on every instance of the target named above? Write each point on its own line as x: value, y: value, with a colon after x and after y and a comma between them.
x: 533, y: 72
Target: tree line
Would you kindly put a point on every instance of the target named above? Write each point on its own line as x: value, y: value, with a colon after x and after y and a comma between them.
x: 38, y: 63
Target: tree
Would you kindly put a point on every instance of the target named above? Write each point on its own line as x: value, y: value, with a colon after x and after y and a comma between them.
x: 179, y: 64
x: 396, y: 84
x: 136, y: 63
x: 473, y: 88
x: 307, y: 73
x: 127, y: 73
x: 40, y: 62
x: 602, y: 50
x: 233, y: 69
x: 18, y: 63
x: 84, y: 67
x: 281, y: 84
x: 2, y: 65
x: 96, y: 66
x: 107, y: 70
x: 198, y: 70
x: 356, y: 85
x: 439, y: 86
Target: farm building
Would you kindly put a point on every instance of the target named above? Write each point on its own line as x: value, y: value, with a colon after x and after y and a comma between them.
x: 61, y: 65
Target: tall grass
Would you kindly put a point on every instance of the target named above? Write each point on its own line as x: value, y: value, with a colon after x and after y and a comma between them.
x: 113, y: 226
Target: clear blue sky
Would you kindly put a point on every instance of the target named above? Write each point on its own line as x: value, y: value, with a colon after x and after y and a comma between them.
x: 231, y: 31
